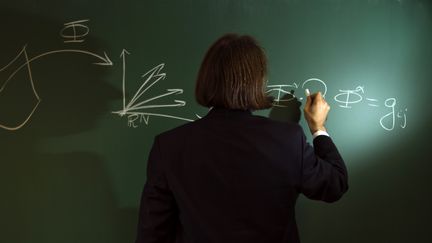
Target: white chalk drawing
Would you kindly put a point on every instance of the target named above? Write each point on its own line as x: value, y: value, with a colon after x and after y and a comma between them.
x: 310, y: 81
x: 23, y: 52
x: 199, y: 116
x: 390, y: 102
x: 282, y: 90
x: 76, y: 35
x: 347, y: 94
x: 138, y: 108
x: 103, y: 60
x: 346, y: 99
x: 285, y: 92
x: 391, y: 116
x: 373, y: 101
x: 403, y: 117
x: 355, y: 96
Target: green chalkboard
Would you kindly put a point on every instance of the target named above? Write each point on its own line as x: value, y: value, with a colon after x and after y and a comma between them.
x: 86, y: 85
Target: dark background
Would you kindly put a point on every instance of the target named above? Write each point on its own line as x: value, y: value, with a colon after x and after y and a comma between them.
x: 74, y: 172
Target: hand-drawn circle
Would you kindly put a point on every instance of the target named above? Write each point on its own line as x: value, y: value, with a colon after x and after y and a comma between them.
x: 319, y: 81
x: 392, y: 100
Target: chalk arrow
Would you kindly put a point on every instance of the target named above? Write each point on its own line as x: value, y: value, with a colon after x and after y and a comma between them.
x: 123, y: 56
x: 123, y: 53
x: 105, y: 61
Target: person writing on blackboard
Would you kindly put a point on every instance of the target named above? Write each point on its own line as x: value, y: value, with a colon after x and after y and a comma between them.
x: 233, y: 176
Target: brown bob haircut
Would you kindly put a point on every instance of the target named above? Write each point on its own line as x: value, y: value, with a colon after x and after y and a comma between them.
x: 232, y: 75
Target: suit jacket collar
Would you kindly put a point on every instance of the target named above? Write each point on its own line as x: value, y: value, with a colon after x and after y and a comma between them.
x: 221, y: 111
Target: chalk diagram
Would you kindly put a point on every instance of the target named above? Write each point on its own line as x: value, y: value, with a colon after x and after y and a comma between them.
x: 139, y: 107
x: 26, y: 66
x: 78, y: 30
x: 285, y: 92
x: 143, y: 104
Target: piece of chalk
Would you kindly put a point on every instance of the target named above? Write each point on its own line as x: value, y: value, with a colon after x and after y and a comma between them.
x: 307, y: 92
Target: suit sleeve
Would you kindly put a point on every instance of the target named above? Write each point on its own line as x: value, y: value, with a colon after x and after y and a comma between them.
x: 158, y: 211
x: 324, y: 175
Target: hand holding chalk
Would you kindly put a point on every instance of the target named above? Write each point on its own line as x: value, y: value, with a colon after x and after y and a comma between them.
x: 315, y: 111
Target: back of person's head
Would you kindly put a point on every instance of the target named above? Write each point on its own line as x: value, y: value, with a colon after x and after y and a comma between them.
x: 232, y: 75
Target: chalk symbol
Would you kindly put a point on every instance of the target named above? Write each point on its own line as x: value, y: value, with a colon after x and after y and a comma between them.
x: 372, y: 100
x: 282, y: 91
x: 347, y: 102
x: 75, y: 36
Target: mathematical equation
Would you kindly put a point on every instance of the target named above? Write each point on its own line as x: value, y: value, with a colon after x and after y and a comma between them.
x: 346, y: 99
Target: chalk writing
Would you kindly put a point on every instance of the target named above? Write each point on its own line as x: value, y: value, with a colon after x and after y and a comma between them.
x: 75, y: 35
x: 391, y: 116
x: 282, y: 90
x: 346, y: 99
x: 372, y: 102
x: 347, y: 95
x: 141, y: 107
x: 283, y: 93
x: 387, y: 122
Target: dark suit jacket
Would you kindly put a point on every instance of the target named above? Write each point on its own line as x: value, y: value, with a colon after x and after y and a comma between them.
x: 232, y: 177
